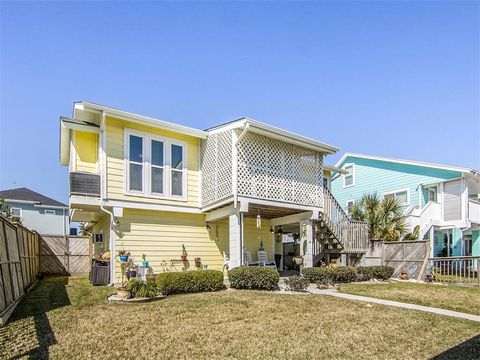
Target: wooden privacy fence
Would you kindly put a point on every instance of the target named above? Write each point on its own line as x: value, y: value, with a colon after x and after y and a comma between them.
x: 25, y: 253
x: 66, y: 255
x: 408, y: 256
x: 19, y: 264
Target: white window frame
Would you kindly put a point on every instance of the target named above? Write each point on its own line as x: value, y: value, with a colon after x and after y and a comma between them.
x: 49, y: 212
x: 352, y: 175
x: 19, y: 211
x: 146, y: 170
x: 95, y: 237
x: 430, y: 188
x: 399, y: 191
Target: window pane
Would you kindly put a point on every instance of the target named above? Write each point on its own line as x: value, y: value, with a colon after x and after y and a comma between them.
x: 136, y: 177
x: 157, y: 153
x: 136, y: 149
x: 349, y: 180
x: 177, y: 183
x: 402, y: 197
x: 389, y: 196
x: 15, y: 211
x: 349, y: 169
x: 177, y: 157
x: 157, y: 180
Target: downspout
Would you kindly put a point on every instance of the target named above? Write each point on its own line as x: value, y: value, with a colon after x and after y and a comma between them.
x: 235, y: 193
x: 103, y: 173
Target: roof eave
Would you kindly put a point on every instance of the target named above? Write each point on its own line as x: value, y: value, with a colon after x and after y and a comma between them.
x: 145, y: 120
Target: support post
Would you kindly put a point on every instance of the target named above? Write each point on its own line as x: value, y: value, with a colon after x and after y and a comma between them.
x: 235, y: 239
x: 306, y: 242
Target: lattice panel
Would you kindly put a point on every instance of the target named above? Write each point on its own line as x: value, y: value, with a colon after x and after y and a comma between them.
x: 276, y: 170
x: 216, y: 167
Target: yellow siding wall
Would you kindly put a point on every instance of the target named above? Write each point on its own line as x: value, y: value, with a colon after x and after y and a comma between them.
x: 160, y: 236
x: 86, y: 150
x: 116, y: 163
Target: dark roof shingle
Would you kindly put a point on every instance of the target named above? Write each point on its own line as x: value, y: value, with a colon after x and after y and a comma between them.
x: 29, y: 195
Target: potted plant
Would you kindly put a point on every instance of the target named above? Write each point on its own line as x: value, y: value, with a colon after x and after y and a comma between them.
x: 123, y: 255
x: 298, y: 260
x: 184, y: 253
x: 404, y: 275
x: 123, y: 292
x: 144, y: 262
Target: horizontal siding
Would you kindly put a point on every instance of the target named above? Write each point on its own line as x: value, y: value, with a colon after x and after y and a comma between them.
x: 452, y: 203
x: 116, y: 163
x: 380, y: 176
x: 160, y: 236
x: 86, y: 150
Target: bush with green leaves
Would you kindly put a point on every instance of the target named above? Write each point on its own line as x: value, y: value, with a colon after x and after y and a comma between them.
x: 142, y: 289
x: 327, y: 276
x: 380, y: 272
x: 296, y: 283
x: 189, y: 281
x: 254, y: 277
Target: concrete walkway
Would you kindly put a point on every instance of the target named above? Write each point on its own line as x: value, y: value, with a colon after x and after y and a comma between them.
x: 429, y: 309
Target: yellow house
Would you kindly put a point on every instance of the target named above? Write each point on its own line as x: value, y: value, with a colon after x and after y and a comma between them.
x: 151, y: 187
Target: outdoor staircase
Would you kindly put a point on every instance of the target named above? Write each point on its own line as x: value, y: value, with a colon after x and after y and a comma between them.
x: 335, y: 230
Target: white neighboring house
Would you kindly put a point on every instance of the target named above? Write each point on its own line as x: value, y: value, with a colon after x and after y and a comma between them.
x: 38, y: 212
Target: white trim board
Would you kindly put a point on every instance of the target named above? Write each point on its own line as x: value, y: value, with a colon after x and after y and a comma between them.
x: 406, y: 162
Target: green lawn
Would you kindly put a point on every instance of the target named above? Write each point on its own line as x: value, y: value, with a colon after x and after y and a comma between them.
x: 457, y: 298
x: 67, y: 318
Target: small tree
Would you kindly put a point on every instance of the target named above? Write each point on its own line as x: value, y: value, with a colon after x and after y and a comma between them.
x: 6, y: 212
x: 384, y: 217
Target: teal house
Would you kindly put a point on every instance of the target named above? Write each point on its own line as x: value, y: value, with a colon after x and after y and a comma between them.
x: 443, y: 200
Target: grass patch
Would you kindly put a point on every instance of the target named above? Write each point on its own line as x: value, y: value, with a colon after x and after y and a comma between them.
x: 457, y: 298
x: 63, y: 319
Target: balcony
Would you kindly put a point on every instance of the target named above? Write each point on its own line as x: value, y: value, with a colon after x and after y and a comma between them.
x: 84, y: 184
x: 260, y: 167
x: 474, y: 211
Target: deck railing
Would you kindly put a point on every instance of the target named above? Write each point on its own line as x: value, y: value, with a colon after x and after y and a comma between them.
x: 352, y: 235
x: 455, y: 269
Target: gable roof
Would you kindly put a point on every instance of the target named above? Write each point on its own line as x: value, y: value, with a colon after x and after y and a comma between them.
x: 408, y: 162
x: 24, y: 194
x: 275, y: 132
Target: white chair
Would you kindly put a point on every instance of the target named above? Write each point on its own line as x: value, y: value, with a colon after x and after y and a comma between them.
x: 248, y: 259
x: 263, y: 260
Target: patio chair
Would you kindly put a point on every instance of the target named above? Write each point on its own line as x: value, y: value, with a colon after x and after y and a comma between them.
x: 248, y: 259
x: 263, y: 260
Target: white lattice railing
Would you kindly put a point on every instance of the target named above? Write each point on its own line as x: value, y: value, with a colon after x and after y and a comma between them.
x: 267, y: 168
x: 276, y: 170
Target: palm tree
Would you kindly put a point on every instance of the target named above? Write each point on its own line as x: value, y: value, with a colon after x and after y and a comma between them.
x: 384, y: 217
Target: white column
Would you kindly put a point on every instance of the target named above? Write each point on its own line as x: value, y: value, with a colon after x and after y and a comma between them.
x: 306, y: 242
x: 235, y: 239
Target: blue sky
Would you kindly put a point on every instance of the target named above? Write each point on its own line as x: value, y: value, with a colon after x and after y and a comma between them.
x: 398, y: 79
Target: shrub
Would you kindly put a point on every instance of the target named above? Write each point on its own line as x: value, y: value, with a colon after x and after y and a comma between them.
x: 318, y: 275
x: 142, y: 289
x: 380, y: 272
x: 327, y: 276
x: 296, y: 283
x: 254, y: 277
x: 189, y: 281
x: 344, y: 274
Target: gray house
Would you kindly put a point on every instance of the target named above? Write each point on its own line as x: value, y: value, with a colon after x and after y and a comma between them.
x: 38, y: 212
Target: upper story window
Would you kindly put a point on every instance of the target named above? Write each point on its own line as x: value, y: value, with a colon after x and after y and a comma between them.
x: 17, y: 212
x: 432, y: 194
x: 155, y: 166
x: 349, y: 179
x: 400, y: 195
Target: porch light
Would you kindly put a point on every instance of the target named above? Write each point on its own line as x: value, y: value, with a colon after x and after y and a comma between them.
x: 280, y: 231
